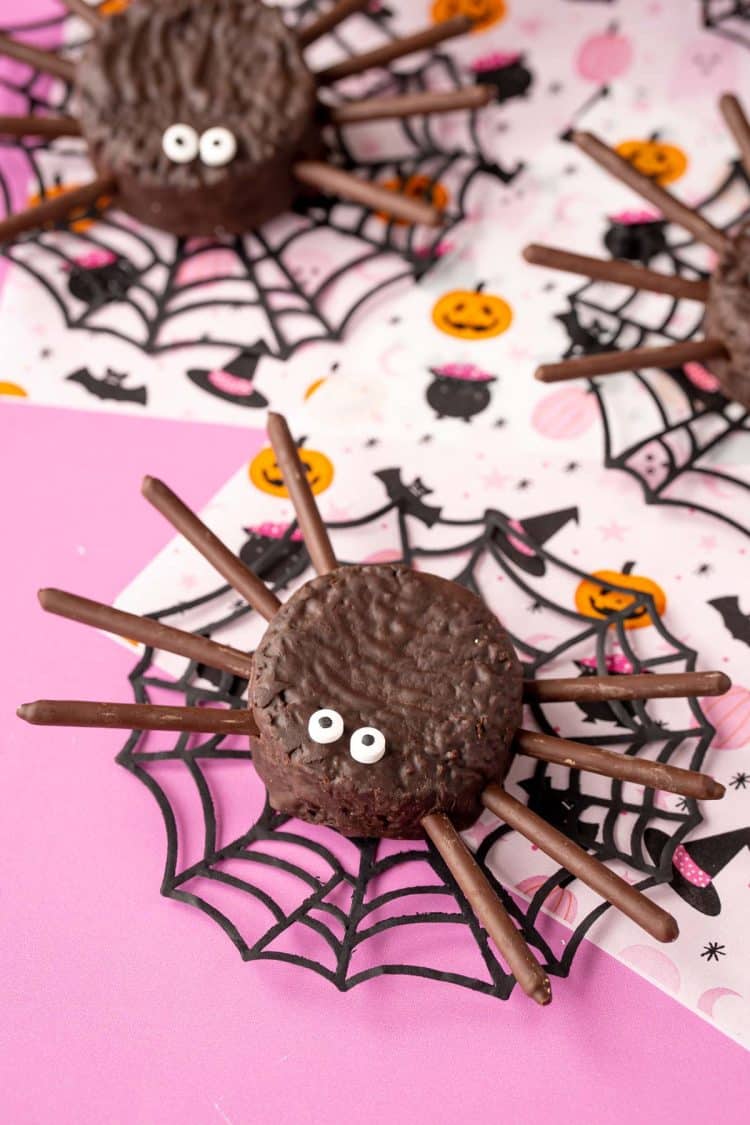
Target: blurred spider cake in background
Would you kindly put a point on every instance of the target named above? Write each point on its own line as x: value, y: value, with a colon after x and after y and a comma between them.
x: 725, y: 346
x: 202, y: 117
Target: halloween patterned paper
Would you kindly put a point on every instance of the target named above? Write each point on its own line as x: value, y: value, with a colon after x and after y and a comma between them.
x: 578, y: 532
x: 164, y: 323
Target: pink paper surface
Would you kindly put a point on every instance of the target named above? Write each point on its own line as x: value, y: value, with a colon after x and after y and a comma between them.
x: 118, y: 1006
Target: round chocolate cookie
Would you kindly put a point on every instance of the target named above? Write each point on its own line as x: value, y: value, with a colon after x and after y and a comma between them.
x: 382, y: 694
x: 198, y: 109
x: 728, y: 317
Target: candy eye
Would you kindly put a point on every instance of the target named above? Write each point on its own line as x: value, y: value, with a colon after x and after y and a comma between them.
x: 180, y: 143
x: 325, y: 726
x: 367, y: 745
x: 217, y: 146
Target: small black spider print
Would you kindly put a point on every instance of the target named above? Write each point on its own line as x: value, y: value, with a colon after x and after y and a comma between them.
x: 740, y: 781
x: 713, y: 951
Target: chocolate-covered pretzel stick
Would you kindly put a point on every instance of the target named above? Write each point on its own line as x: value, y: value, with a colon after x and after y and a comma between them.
x: 404, y: 105
x: 55, y: 210
x: 136, y: 716
x: 147, y: 631
x: 32, y: 126
x: 738, y: 125
x: 46, y: 61
x: 616, y: 270
x: 309, y: 519
x: 642, y: 771
x: 85, y: 11
x: 396, y: 49
x: 488, y: 908
x: 670, y: 207
x: 330, y: 19
x: 232, y: 569
x: 592, y: 689
x: 611, y: 363
x: 587, y: 868
x: 334, y: 181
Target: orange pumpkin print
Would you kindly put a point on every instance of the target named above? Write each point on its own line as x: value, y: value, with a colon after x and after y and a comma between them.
x: 484, y: 13
x: 266, y: 475
x: 661, y: 162
x: 472, y: 314
x: 79, y: 225
x: 595, y: 598
x: 418, y: 186
x: 114, y: 7
x: 12, y: 390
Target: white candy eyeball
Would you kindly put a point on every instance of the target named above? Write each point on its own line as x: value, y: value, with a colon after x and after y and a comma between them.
x: 180, y: 143
x: 217, y: 146
x: 325, y: 726
x: 367, y: 745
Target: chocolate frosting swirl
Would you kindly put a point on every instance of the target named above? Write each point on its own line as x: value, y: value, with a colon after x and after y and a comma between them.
x: 203, y: 63
x: 420, y: 659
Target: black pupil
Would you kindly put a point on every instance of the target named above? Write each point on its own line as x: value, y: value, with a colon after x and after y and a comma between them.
x: 326, y: 721
x: 367, y: 739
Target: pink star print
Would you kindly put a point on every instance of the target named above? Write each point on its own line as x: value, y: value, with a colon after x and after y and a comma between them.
x: 613, y: 531
x: 495, y: 479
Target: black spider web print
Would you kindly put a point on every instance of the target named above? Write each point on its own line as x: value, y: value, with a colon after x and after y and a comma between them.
x: 685, y: 434
x: 730, y: 18
x: 160, y: 282
x: 275, y: 884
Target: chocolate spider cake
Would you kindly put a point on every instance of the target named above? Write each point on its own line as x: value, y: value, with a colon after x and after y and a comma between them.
x: 725, y: 345
x: 198, y: 109
x: 728, y: 317
x: 382, y: 695
x: 386, y: 702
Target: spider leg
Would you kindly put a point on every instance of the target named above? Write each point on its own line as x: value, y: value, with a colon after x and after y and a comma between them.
x: 137, y: 716
x: 738, y: 125
x: 644, y: 686
x: 670, y: 207
x: 335, y: 15
x: 148, y: 631
x: 59, y: 208
x: 396, y: 49
x: 488, y: 908
x: 46, y: 61
x: 39, y: 126
x: 232, y: 569
x: 585, y: 867
x: 406, y: 105
x: 616, y: 270
x: 85, y: 12
x: 655, y: 775
x: 311, y: 525
x: 611, y: 363
x: 334, y: 181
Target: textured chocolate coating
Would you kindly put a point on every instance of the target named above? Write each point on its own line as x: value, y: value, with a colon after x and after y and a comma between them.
x: 203, y: 63
x: 419, y: 658
x: 728, y: 317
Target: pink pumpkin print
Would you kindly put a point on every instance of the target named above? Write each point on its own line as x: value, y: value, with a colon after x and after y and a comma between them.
x: 560, y: 901
x: 730, y: 716
x: 654, y: 964
x: 565, y: 414
x: 604, y: 56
